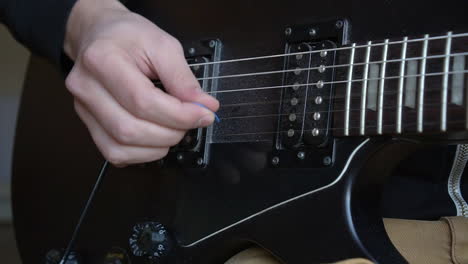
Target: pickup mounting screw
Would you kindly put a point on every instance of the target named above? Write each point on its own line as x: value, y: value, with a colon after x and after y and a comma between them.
x: 321, y: 68
x: 327, y: 160
x: 288, y: 31
x: 290, y: 132
x: 339, y: 24
x: 196, y: 67
x: 320, y: 84
x: 191, y: 51
x: 318, y: 100
x: 315, y: 132
x: 312, y: 32
x: 180, y: 157
x: 317, y: 116
x: 296, y: 86
x: 301, y: 155
x: 275, y: 161
x: 294, y: 101
x: 297, y: 71
x: 323, y: 53
x: 292, y: 117
x: 200, y: 161
x: 212, y: 43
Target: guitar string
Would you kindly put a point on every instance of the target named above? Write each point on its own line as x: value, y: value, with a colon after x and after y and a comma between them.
x: 353, y: 96
x: 460, y: 35
x: 242, y: 75
x: 411, y: 125
x: 320, y: 112
x: 336, y: 82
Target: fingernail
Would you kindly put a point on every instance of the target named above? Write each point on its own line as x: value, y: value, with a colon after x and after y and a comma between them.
x: 205, y: 121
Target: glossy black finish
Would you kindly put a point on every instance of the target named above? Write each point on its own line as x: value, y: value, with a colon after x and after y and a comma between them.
x: 56, y: 163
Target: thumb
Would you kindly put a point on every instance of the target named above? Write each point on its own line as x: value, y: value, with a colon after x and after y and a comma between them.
x: 178, y: 79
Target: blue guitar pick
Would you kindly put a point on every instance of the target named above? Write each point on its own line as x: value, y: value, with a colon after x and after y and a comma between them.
x: 216, y: 116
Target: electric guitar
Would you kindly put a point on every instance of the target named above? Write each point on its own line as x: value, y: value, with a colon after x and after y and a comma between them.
x: 320, y: 100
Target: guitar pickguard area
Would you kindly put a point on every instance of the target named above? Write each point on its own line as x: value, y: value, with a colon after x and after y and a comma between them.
x: 226, y: 194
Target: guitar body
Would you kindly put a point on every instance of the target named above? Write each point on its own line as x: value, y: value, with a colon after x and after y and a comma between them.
x: 309, y: 214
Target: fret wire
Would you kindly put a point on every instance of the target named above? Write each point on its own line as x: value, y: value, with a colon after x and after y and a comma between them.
x: 466, y: 104
x: 400, y: 86
x: 348, y: 91
x: 444, y: 92
x: 460, y: 35
x: 420, y: 117
x: 381, y: 89
x: 364, y: 91
x: 441, y: 56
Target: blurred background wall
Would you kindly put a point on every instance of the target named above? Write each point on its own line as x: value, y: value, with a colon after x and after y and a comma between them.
x: 13, y: 63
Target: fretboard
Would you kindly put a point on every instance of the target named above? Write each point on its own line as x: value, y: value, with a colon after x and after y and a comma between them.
x: 405, y: 86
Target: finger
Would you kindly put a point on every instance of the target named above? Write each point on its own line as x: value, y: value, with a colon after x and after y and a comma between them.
x: 175, y: 74
x: 121, y: 125
x: 136, y: 93
x: 114, y: 152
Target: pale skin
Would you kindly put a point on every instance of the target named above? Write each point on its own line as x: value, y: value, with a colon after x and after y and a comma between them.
x: 117, y: 53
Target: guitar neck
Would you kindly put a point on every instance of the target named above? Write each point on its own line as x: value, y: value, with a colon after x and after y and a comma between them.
x: 406, y: 86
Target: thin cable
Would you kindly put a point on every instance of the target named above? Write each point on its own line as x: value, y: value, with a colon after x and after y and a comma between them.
x: 240, y: 75
x: 71, y: 244
x: 333, y: 49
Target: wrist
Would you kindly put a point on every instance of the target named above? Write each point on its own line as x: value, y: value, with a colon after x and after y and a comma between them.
x: 84, y: 16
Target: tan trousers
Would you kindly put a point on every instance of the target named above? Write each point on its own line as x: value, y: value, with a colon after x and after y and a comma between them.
x: 420, y: 242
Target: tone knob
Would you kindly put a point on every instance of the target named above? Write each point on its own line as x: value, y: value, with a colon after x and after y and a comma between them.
x: 151, y: 240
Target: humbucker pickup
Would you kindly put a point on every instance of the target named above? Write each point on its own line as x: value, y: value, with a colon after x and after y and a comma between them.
x: 304, y: 129
x: 306, y: 100
x: 193, y: 150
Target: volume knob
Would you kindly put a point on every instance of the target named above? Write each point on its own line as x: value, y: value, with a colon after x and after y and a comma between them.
x: 151, y: 240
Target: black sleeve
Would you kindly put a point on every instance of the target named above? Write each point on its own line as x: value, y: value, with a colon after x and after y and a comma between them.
x: 38, y: 24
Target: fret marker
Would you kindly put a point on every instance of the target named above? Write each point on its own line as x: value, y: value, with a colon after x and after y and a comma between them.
x: 444, y: 92
x: 365, y: 76
x: 348, y: 90
x: 400, y: 85
x: 372, y: 89
x: 381, y: 89
x: 410, y: 84
x: 458, y: 77
x: 422, y: 77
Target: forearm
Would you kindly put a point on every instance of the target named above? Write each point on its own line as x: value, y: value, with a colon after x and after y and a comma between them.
x: 84, y: 20
x: 39, y: 25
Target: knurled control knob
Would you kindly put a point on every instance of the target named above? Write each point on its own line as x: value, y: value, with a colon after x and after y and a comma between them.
x: 151, y: 240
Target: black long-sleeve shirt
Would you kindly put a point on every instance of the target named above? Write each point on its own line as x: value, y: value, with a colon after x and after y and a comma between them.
x: 38, y: 24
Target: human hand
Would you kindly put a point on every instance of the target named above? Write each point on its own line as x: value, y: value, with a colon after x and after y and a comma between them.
x: 116, y: 54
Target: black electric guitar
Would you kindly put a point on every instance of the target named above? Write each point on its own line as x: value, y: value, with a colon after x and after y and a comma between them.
x: 320, y: 100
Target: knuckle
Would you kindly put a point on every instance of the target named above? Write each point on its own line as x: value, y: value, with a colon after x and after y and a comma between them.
x: 125, y: 133
x: 97, y: 55
x: 162, y: 153
x: 72, y: 83
x: 176, y: 137
x: 185, y: 121
x: 141, y: 104
x: 91, y: 56
x: 115, y: 156
x: 173, y: 44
